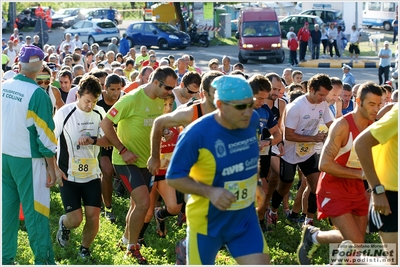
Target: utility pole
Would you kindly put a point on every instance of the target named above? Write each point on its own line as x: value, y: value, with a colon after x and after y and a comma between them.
x: 12, y: 14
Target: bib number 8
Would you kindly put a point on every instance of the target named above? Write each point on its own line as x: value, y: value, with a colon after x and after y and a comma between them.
x: 83, y: 167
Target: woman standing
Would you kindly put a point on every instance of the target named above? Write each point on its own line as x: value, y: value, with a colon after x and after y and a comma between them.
x: 332, y: 36
x: 324, y: 39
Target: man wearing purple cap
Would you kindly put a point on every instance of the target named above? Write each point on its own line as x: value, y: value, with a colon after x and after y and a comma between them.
x: 218, y: 168
x: 28, y: 140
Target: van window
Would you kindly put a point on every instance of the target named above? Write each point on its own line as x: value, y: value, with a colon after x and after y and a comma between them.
x: 261, y: 28
x: 374, y: 6
x: 389, y: 6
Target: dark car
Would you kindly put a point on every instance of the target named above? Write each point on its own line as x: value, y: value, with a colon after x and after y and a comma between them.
x: 27, y: 17
x: 327, y: 16
x: 159, y: 34
x: 101, y: 13
x: 297, y: 21
x: 65, y: 15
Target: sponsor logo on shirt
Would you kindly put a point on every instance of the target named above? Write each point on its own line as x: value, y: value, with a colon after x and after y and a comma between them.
x: 113, y: 112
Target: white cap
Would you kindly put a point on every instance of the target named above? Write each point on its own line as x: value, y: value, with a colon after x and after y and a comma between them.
x: 386, y: 43
x: 345, y: 66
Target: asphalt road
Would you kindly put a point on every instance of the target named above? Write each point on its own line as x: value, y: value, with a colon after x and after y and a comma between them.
x: 203, y: 55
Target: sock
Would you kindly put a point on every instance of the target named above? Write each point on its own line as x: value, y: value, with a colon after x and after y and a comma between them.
x: 125, y: 240
x: 131, y: 247
x: 276, y: 199
x: 307, y: 220
x: 141, y: 234
x: 163, y: 213
x: 312, y: 203
x: 314, y: 237
x: 183, y: 208
x: 294, y: 214
x: 272, y: 213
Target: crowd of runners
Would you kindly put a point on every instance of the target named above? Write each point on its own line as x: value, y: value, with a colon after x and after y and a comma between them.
x: 219, y: 149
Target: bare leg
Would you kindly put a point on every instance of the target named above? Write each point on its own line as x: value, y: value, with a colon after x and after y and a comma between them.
x: 141, y: 198
x: 92, y: 215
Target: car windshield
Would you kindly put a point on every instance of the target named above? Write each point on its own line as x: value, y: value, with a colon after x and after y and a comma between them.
x: 260, y: 28
x: 64, y: 11
x: 338, y: 15
x: 318, y: 20
x: 165, y: 27
x: 106, y: 24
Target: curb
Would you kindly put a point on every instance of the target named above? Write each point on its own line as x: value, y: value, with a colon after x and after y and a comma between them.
x: 324, y: 63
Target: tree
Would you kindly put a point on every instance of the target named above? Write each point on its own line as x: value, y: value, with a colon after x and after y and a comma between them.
x: 133, y: 5
x: 178, y: 12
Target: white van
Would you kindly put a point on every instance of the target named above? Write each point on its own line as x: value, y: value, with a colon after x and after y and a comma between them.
x: 379, y: 14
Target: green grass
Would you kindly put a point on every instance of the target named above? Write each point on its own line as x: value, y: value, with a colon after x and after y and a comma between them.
x: 282, y: 242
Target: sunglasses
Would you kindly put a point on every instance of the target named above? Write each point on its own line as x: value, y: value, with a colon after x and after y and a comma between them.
x: 40, y: 82
x: 240, y: 106
x: 166, y: 87
x: 190, y: 91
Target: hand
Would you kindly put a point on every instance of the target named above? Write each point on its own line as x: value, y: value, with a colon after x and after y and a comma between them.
x: 221, y: 198
x: 264, y: 143
x: 167, y: 134
x: 85, y: 140
x: 319, y: 137
x: 153, y: 165
x: 55, y: 176
x: 129, y: 157
x: 381, y: 204
x: 281, y: 150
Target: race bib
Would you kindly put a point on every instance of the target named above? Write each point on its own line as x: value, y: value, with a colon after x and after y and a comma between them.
x: 245, y: 192
x: 165, y: 160
x: 265, y: 151
x: 353, y: 161
x: 83, y: 167
x: 303, y: 149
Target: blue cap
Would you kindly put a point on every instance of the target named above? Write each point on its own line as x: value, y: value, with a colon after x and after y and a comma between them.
x: 231, y: 88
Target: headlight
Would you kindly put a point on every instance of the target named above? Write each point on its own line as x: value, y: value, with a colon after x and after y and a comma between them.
x: 248, y: 46
x: 174, y: 37
x: 276, y: 45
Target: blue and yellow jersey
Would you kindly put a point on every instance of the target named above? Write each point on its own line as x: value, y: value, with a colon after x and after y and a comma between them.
x: 219, y: 157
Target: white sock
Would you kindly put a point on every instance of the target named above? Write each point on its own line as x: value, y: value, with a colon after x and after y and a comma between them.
x: 125, y: 240
x: 133, y: 246
x: 308, y: 220
x: 271, y: 212
x: 314, y: 237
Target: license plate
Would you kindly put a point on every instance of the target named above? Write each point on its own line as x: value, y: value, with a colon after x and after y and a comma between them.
x: 262, y: 58
x: 185, y: 42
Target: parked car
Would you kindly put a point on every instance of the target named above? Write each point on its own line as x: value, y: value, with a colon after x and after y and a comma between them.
x: 297, y: 21
x: 101, y: 13
x: 327, y: 16
x: 159, y: 34
x: 27, y: 17
x: 94, y: 30
x: 65, y: 14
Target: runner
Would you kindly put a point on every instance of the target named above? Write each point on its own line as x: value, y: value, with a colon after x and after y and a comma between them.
x: 222, y: 185
x: 340, y: 191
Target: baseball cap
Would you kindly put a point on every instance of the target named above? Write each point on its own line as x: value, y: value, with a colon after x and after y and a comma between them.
x: 28, y: 37
x: 386, y: 43
x: 3, y: 39
x: 345, y: 66
x: 231, y: 88
x: 30, y: 53
x: 9, y: 74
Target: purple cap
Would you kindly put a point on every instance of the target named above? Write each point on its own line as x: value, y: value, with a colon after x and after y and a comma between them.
x: 30, y: 53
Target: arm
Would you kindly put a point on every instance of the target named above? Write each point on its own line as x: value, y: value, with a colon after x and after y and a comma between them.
x: 363, y: 146
x: 108, y: 128
x: 57, y: 95
x: 339, y: 105
x: 219, y: 197
x: 337, y: 138
x: 180, y: 117
x: 290, y: 135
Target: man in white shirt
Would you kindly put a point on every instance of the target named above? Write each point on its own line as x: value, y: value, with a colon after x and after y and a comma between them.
x: 354, y: 42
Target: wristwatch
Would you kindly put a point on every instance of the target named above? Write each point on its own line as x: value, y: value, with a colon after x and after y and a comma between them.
x: 379, y: 189
x: 94, y: 139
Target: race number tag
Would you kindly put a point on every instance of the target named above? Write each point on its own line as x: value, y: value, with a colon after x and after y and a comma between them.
x: 353, y: 161
x: 245, y: 192
x: 264, y: 151
x: 83, y: 167
x: 165, y: 160
x: 303, y: 149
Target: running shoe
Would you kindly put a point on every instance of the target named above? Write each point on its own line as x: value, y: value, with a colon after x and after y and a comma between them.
x: 293, y: 221
x: 310, y: 222
x: 181, y: 219
x: 307, y: 247
x: 84, y: 253
x: 109, y: 214
x: 134, y: 252
x: 180, y: 250
x: 271, y: 219
x: 62, y: 233
x: 161, y: 230
x: 286, y: 211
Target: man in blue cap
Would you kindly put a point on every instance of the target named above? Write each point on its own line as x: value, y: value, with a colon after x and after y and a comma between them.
x: 218, y: 167
x: 28, y: 140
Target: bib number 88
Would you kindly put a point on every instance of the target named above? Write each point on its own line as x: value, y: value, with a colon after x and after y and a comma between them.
x: 83, y: 167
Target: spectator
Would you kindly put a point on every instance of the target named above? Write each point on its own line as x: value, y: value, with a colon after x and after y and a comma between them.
x: 348, y: 76
x: 324, y: 40
x: 332, y: 36
x: 303, y: 36
x: 39, y: 13
x: 213, y: 64
x: 124, y: 45
x: 113, y: 45
x: 385, y: 55
x: 289, y: 34
x: 15, y: 34
x: 341, y: 40
x: 226, y: 67
x: 293, y: 45
x: 354, y: 43
x: 395, y: 28
x: 11, y: 53
x: 48, y: 17
x: 315, y: 42
x: 111, y: 15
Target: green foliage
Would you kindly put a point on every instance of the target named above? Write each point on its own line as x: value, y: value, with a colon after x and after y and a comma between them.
x: 282, y: 241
